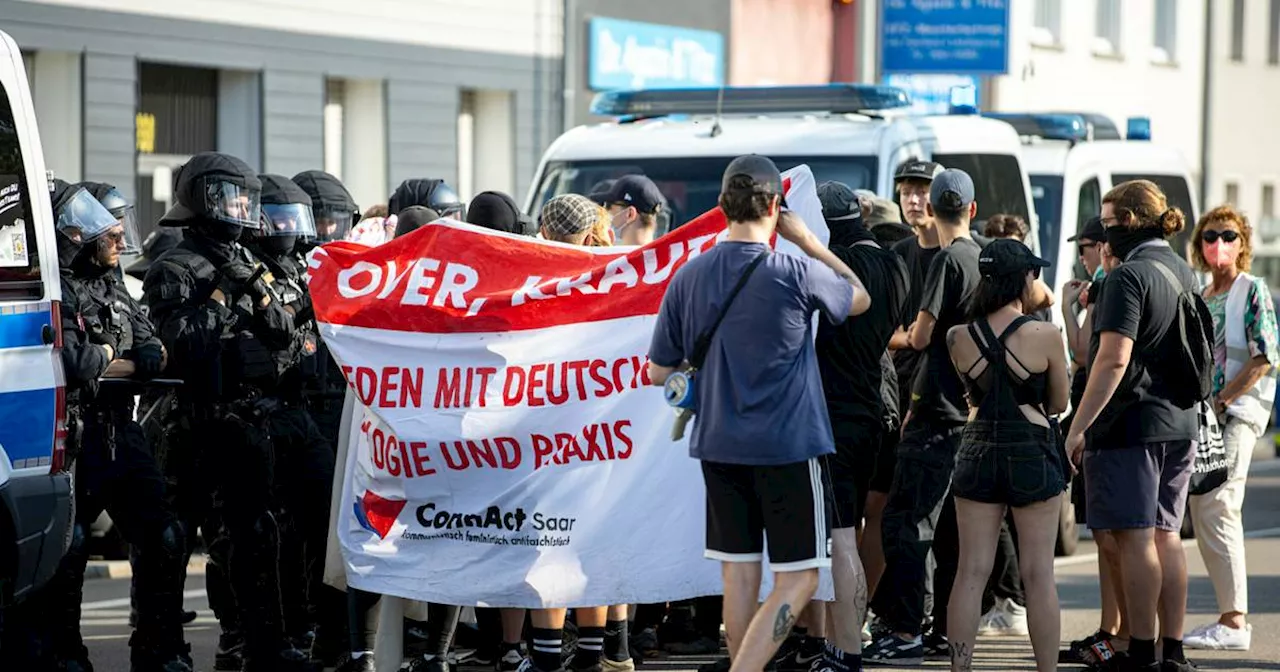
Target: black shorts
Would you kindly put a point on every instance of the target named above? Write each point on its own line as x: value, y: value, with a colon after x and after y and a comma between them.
x: 787, y: 502
x: 1139, y: 487
x: 853, y: 470
x: 1018, y: 467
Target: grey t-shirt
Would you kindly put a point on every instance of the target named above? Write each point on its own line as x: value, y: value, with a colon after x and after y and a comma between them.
x: 759, y: 393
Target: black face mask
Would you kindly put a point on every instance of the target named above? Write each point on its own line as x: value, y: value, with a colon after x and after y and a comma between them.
x: 277, y: 245
x: 848, y: 232
x: 220, y: 231
x: 1123, y: 240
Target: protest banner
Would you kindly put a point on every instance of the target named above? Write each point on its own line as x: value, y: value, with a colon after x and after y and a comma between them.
x: 508, y: 449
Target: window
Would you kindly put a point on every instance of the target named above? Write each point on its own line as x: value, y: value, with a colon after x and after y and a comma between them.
x: 1107, y: 29
x: 1268, y: 201
x: 1232, y: 192
x: 1166, y: 31
x: 1048, y: 22
x: 1046, y: 195
x: 1178, y: 193
x: 19, y: 256
x: 1273, y: 41
x: 1089, y: 204
x: 692, y: 185
x: 1237, y: 30
x: 997, y: 179
x: 334, y: 95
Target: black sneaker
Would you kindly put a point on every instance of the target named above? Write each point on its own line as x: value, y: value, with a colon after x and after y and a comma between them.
x: 527, y: 665
x: 511, y: 658
x: 703, y: 646
x: 229, y: 656
x: 1178, y: 666
x: 892, y: 650
x: 788, y: 649
x: 800, y: 661
x: 364, y: 663
x: 937, y: 647
x: 436, y: 664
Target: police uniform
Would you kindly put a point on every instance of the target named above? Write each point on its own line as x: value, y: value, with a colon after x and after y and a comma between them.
x: 115, y: 470
x: 216, y: 313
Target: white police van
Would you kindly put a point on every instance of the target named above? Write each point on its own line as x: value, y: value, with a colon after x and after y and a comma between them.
x: 683, y: 139
x: 35, y: 490
x: 1074, y: 159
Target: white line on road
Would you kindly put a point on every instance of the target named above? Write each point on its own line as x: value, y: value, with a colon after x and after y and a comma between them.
x: 1186, y: 543
x: 124, y: 601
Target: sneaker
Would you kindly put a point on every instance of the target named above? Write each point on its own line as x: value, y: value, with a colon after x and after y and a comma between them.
x: 937, y: 647
x: 1218, y: 637
x: 1006, y: 619
x: 436, y: 664
x: 1079, y: 652
x: 229, y: 656
x: 364, y: 663
x: 1178, y: 665
x: 799, y: 661
x: 527, y: 665
x: 866, y: 633
x: 510, y: 660
x: 628, y: 665
x: 646, y: 642
x: 892, y: 650
x: 703, y: 646
x: 788, y: 649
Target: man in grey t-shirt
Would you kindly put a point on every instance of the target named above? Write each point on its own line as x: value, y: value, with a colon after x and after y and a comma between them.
x: 762, y: 418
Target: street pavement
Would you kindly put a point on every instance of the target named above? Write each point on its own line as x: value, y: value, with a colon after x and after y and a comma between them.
x: 106, y: 602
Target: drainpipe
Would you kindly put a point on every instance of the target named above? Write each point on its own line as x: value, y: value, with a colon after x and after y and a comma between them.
x: 1206, y: 106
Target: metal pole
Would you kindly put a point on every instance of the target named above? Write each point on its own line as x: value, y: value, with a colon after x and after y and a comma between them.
x: 1206, y: 105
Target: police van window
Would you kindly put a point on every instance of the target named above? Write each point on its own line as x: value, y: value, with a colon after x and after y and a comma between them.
x: 1046, y: 194
x: 1089, y: 205
x: 19, y: 255
x: 997, y: 182
x: 691, y: 185
x: 1178, y: 193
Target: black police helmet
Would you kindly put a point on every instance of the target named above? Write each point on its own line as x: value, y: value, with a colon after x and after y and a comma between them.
x: 192, y: 184
x: 429, y: 193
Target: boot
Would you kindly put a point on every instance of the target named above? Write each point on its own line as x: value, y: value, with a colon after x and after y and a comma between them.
x: 149, y: 655
x: 285, y: 660
x: 230, y: 654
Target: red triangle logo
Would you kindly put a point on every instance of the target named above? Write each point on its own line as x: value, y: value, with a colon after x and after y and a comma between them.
x: 381, y: 512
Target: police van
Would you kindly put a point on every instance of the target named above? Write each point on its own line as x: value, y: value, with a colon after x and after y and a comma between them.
x: 1073, y: 160
x: 35, y: 489
x: 683, y: 139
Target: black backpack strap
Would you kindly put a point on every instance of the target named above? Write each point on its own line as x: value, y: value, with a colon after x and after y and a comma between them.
x: 703, y: 344
x: 1013, y: 326
x: 1169, y: 275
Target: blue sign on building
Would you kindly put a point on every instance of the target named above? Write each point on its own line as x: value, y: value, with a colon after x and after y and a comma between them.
x: 945, y: 36
x: 931, y: 94
x: 632, y: 55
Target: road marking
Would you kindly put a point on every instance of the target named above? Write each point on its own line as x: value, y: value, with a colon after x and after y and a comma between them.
x: 124, y: 601
x: 1087, y: 558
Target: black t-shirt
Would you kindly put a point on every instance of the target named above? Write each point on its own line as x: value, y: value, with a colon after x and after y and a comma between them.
x: 907, y: 361
x: 1140, y: 304
x: 849, y: 354
x: 937, y: 397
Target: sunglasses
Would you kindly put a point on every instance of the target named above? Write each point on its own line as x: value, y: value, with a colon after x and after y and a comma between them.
x: 1212, y: 237
x: 1085, y: 246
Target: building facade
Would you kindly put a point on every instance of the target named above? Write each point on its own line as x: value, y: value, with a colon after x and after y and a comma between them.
x: 374, y: 92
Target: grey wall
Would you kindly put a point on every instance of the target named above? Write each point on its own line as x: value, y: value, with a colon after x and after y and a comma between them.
x: 422, y: 86
x: 700, y: 14
x: 240, y: 115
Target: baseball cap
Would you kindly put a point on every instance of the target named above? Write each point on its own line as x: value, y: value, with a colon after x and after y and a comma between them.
x: 413, y: 218
x: 600, y: 191
x: 1003, y: 256
x: 883, y: 211
x: 951, y: 191
x: 1093, y: 230
x: 761, y: 169
x: 569, y: 214
x: 917, y: 170
x: 839, y: 202
x: 637, y: 191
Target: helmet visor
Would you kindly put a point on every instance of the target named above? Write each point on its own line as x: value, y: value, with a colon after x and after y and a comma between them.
x: 84, y: 219
x: 331, y: 225
x: 232, y: 203
x: 289, y: 219
x: 122, y: 210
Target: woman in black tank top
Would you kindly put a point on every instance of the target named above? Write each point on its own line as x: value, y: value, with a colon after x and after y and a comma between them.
x: 1014, y: 370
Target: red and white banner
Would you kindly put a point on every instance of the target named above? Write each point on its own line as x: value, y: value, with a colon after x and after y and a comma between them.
x: 509, y: 450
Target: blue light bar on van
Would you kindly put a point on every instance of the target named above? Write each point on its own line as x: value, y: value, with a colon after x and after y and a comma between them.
x: 834, y: 98
x: 1048, y: 126
x: 963, y: 100
x: 1139, y: 128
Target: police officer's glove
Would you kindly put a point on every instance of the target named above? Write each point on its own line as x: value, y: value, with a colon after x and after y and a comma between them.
x: 147, y: 360
x: 234, y: 279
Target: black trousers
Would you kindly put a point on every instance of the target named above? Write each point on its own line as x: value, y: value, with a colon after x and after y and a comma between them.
x: 116, y: 472
x: 919, y: 516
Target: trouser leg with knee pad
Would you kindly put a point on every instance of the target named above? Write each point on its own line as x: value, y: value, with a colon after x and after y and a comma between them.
x: 255, y: 581
x: 158, y: 579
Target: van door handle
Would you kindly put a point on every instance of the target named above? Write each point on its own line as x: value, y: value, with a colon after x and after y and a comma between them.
x: 47, y: 334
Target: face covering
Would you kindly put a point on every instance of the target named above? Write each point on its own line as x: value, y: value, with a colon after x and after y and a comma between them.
x: 1099, y: 274
x: 1220, y: 254
x: 848, y: 232
x: 1123, y: 241
x: 222, y: 232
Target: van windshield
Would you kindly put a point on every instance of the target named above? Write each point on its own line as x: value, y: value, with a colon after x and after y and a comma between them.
x: 19, y: 256
x: 691, y: 185
x: 1178, y: 193
x: 1046, y: 194
x: 997, y: 183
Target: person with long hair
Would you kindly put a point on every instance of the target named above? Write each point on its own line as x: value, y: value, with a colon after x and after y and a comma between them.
x: 1244, y: 388
x: 1015, y: 376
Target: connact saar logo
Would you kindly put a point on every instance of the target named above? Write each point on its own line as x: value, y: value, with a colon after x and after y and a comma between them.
x: 377, y: 514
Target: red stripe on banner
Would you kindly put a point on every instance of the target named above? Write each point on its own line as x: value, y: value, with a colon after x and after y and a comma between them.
x: 449, y: 277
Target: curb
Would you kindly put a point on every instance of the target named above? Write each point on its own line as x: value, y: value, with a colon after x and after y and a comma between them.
x: 121, y: 569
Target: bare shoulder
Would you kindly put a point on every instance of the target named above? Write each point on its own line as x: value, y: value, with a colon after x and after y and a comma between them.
x: 1042, y: 332
x: 957, y: 334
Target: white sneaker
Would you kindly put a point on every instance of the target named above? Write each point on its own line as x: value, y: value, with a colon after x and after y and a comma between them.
x: 1218, y: 637
x: 1006, y: 619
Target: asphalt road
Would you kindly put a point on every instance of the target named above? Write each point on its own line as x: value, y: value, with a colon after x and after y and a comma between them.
x: 106, y: 606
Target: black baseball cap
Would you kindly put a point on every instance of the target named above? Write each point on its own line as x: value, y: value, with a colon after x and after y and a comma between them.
x: 1093, y: 230
x: 951, y: 192
x: 760, y: 169
x: 600, y: 192
x: 1003, y: 256
x: 637, y: 191
x: 839, y: 202
x: 917, y: 170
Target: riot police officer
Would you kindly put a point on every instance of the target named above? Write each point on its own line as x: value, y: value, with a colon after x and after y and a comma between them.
x: 108, y: 348
x: 215, y: 310
x: 429, y: 193
x: 331, y: 205
x: 303, y: 492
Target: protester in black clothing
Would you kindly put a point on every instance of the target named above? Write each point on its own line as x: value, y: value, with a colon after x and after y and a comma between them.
x: 849, y: 358
x: 1010, y: 457
x: 498, y: 211
x: 925, y: 456
x: 434, y: 194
